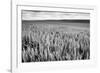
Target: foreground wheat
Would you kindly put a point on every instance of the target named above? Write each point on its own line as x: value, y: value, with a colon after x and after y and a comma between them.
x: 38, y: 45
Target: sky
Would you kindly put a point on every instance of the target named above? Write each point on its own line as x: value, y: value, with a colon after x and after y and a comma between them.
x: 49, y: 15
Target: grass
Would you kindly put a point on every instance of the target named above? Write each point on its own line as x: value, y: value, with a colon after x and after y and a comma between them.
x: 39, y: 45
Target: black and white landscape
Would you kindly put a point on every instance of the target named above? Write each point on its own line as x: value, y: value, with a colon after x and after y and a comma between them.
x: 55, y: 36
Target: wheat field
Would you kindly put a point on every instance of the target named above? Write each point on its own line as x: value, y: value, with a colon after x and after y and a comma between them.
x: 54, y: 43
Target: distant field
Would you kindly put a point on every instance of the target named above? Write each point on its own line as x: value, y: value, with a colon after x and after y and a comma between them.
x: 62, y: 25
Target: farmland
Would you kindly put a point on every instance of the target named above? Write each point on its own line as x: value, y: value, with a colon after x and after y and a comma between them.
x: 56, y: 41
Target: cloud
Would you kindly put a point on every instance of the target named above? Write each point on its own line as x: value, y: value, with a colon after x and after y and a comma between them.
x: 46, y: 15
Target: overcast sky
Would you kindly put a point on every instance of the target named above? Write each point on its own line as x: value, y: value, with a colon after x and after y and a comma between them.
x: 46, y: 15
